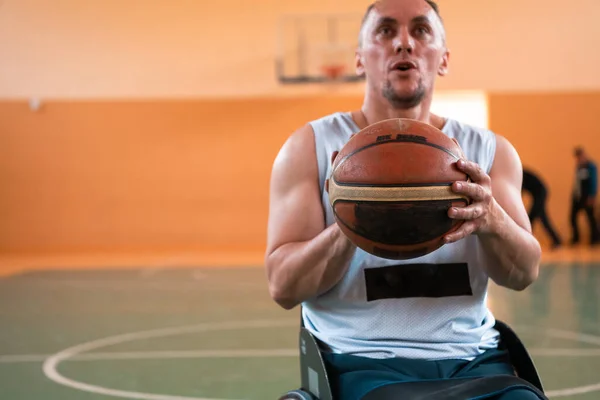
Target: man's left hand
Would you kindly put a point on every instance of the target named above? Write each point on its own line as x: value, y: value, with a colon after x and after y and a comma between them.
x: 481, y: 216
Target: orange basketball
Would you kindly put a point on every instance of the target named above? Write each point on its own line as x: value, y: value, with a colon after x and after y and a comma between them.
x: 390, y: 188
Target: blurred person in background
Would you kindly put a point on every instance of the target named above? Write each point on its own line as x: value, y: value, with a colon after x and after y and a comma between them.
x: 534, y: 185
x: 584, y: 195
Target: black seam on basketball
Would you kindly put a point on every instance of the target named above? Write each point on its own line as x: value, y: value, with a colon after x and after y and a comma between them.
x: 399, y: 185
x: 396, y: 141
x: 397, y: 201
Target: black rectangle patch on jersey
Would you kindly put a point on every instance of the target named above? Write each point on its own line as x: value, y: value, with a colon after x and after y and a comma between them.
x: 418, y: 280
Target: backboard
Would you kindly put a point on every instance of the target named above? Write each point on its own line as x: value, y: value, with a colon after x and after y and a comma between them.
x: 317, y: 48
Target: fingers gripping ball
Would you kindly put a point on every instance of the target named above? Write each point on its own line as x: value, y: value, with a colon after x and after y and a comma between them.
x: 390, y: 188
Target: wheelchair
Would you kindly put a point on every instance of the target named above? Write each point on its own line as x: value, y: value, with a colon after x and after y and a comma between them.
x: 315, y: 383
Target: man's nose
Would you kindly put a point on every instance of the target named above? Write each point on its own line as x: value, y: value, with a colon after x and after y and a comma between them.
x: 404, y: 42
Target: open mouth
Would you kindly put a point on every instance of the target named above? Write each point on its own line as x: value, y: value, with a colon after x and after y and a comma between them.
x: 404, y: 66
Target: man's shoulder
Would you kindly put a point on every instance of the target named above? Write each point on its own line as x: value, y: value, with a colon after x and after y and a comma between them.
x: 478, y: 143
x: 319, y: 125
x: 331, y: 118
x: 470, y: 134
x: 334, y: 127
x: 468, y: 128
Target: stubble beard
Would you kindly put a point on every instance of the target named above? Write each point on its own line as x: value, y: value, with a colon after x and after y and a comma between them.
x: 403, y: 102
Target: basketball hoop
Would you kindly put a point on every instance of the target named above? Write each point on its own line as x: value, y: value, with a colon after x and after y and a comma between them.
x: 333, y: 62
x: 333, y: 71
x: 318, y: 48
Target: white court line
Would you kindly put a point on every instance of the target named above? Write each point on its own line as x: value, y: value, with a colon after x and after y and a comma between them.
x: 22, y: 358
x: 238, y: 353
x: 50, y: 366
x: 564, y: 352
x: 157, y: 355
x: 573, y: 391
x: 562, y: 334
x: 51, y: 363
x: 577, y: 337
x: 144, y: 284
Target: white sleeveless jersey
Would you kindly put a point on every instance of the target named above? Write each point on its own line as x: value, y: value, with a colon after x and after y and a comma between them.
x: 459, y: 327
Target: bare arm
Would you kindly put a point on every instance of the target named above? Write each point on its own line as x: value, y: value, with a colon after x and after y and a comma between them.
x: 499, y: 217
x: 304, y: 259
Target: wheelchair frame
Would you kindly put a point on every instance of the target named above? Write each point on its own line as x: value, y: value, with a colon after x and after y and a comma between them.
x: 315, y: 380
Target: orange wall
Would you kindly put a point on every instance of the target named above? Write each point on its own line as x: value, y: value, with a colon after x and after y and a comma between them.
x: 192, y: 176
x: 122, y: 177
x: 545, y: 128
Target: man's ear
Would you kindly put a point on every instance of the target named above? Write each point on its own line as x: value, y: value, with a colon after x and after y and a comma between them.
x: 360, y: 69
x: 443, y: 68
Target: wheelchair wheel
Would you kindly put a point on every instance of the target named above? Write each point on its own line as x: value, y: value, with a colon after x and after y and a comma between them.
x: 297, y: 395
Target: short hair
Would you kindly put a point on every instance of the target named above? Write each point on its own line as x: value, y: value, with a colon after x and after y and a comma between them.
x: 435, y: 7
x: 371, y: 6
x: 578, y: 151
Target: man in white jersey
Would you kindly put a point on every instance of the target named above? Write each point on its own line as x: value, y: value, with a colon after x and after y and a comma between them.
x: 376, y: 340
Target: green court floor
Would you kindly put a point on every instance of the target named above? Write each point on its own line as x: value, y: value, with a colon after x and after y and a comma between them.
x: 165, y: 334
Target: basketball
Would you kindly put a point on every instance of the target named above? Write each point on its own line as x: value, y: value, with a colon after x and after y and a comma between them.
x: 390, y: 188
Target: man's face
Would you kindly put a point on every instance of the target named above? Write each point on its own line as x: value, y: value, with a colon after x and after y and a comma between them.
x: 579, y: 155
x: 402, y: 50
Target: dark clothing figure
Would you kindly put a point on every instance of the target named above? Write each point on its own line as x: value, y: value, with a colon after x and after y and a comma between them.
x: 584, y: 195
x: 534, y: 186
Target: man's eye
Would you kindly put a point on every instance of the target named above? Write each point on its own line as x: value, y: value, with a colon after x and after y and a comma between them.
x: 386, y: 31
x: 422, y: 30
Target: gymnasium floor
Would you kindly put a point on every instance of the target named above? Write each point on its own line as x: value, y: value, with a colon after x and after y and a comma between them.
x: 213, y: 333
